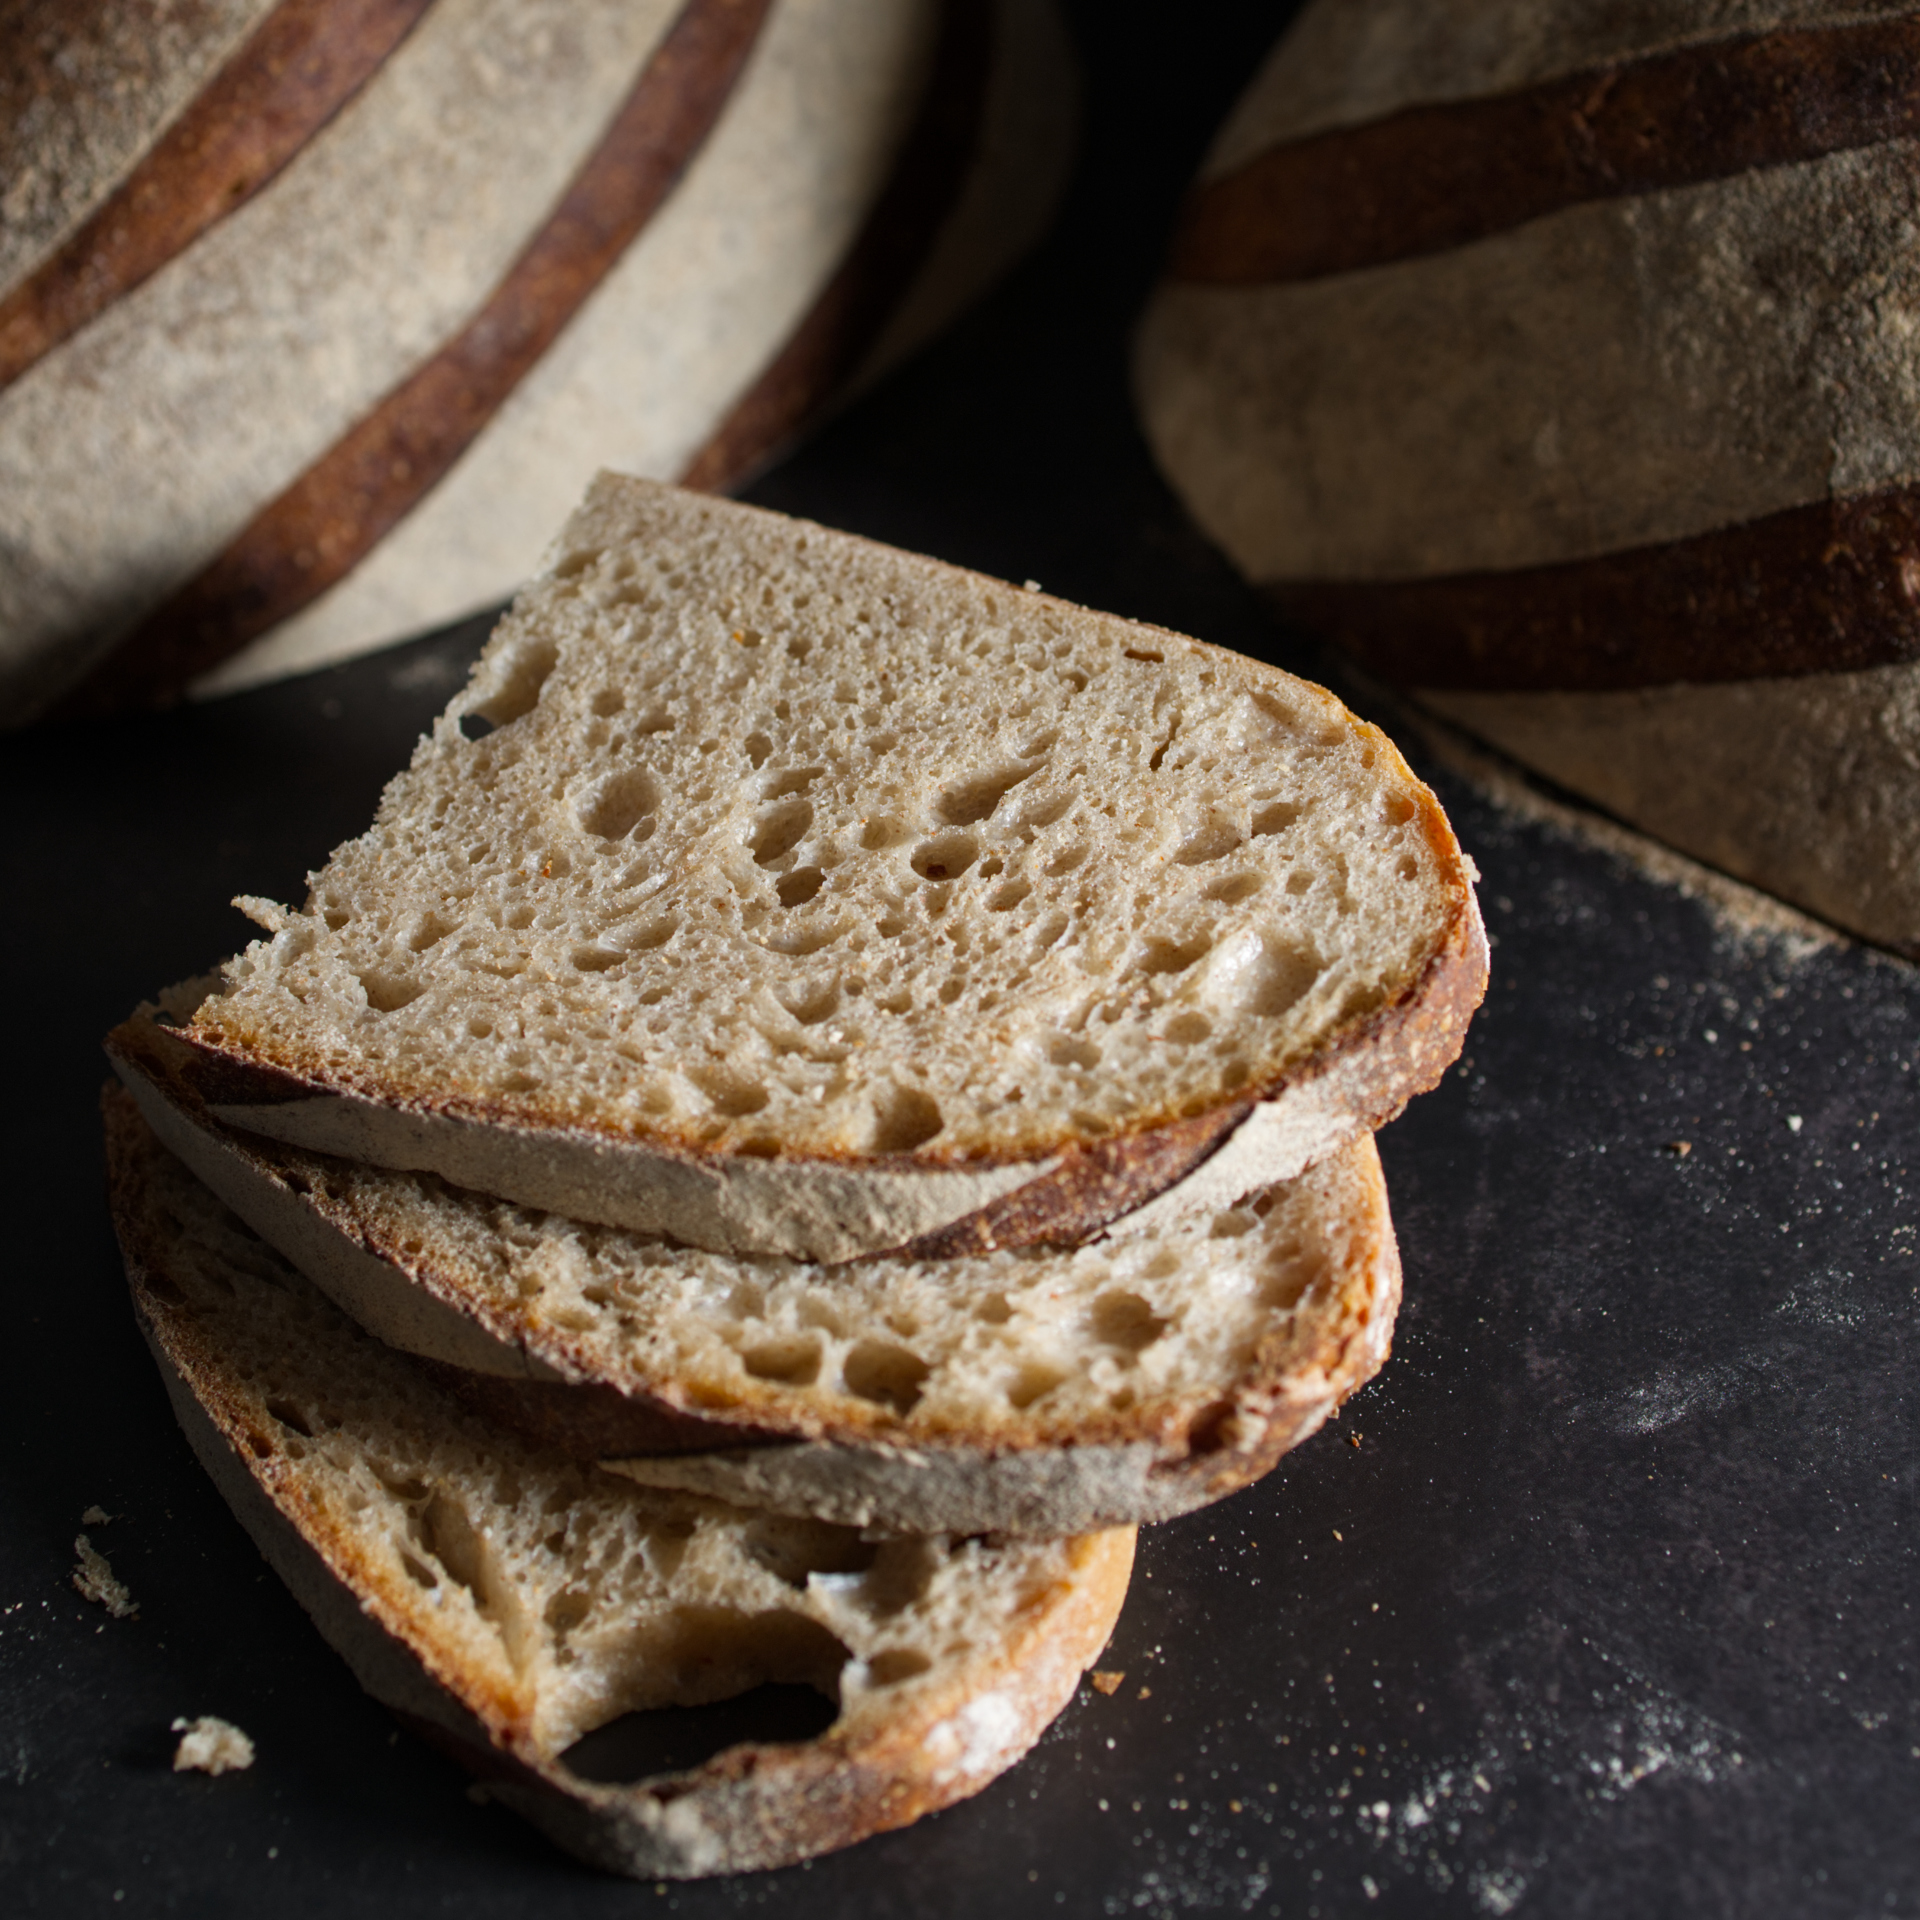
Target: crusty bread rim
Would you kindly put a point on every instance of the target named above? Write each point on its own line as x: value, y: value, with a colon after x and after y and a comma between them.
x: 846, y: 1208
x: 1112, y: 1470
x: 753, y: 1806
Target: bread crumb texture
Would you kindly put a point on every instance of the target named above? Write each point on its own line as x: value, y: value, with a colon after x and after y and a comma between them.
x: 759, y: 838
x: 550, y: 1598
x: 1125, y: 1339
x: 211, y: 1745
x: 93, y: 1579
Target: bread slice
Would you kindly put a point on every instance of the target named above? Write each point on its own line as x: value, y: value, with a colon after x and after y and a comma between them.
x: 1030, y: 1390
x: 506, y: 1601
x: 811, y: 898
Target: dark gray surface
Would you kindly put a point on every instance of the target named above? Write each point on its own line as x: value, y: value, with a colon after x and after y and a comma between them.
x: 1609, y: 1611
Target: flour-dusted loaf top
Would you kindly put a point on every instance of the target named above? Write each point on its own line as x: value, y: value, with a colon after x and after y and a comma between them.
x: 1559, y: 361
x: 785, y: 847
x: 1033, y: 1389
x: 511, y: 1601
x: 377, y: 284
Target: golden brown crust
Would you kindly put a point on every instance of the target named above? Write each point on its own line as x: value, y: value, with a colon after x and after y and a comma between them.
x: 751, y: 1807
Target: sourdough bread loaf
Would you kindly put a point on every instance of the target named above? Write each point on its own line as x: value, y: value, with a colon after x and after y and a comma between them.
x: 506, y: 1601
x: 1559, y: 363
x: 378, y: 284
x: 802, y: 896
x: 1034, y: 1391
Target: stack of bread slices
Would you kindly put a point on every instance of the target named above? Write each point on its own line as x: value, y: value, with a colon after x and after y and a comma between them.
x: 832, y: 1090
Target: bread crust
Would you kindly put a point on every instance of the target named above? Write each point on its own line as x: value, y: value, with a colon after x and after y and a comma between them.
x: 1093, y: 1470
x: 753, y: 1806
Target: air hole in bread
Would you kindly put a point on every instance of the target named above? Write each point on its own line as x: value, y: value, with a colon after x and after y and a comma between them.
x: 812, y: 1003
x: 1213, y: 1429
x: 292, y: 1416
x: 889, y: 1376
x: 778, y: 830
x: 758, y: 747
x: 1233, y: 887
x: 620, y: 804
x: 795, y: 1361
x: 1065, y: 861
x: 1188, y: 1029
x: 518, y: 678
x: 902, y: 1572
x: 945, y: 857
x: 1069, y: 1052
x: 666, y: 1546
x: 1213, y: 841
x: 1396, y: 810
x: 389, y: 992
x: 1275, y: 817
x: 1409, y: 868
x: 803, y: 940
x: 668, y: 1740
x: 1125, y: 1321
x: 418, y: 1572
x: 595, y: 959
x: 430, y: 930
x: 904, y: 1118
x: 1172, y: 956
x: 609, y: 701
x: 1042, y: 810
x: 1004, y: 899
x: 729, y: 1092
x: 797, y: 888
x: 893, y: 1664
x: 881, y: 832
x: 566, y: 1610
x: 474, y: 726
x: 994, y: 1310
x: 1142, y: 653
x: 1034, y: 1380
x: 974, y: 799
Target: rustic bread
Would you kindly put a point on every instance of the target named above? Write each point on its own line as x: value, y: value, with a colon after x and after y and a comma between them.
x: 1559, y: 361
x: 812, y: 898
x: 378, y: 284
x: 1036, y: 1391
x: 506, y: 1601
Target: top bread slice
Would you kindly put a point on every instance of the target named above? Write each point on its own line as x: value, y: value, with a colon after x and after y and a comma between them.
x: 811, y: 898
x: 506, y: 1601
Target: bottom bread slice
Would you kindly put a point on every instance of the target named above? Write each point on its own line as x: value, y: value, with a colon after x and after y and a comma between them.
x: 507, y: 1601
x: 1031, y: 1389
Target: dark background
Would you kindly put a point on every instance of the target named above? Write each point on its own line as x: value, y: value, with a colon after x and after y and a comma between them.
x: 1610, y: 1608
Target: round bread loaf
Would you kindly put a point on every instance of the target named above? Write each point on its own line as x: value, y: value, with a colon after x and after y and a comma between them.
x: 1563, y: 363
x: 316, y: 315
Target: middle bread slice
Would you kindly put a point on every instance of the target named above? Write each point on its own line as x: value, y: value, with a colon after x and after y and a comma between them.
x: 1031, y: 1390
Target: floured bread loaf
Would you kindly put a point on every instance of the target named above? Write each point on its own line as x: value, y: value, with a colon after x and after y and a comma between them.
x: 1033, y: 1390
x: 506, y: 1601
x: 378, y: 284
x: 807, y: 897
x: 1559, y: 361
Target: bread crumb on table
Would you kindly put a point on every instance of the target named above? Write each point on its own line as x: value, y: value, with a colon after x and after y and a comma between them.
x: 211, y: 1745
x: 93, y: 1580
x: 1106, y: 1682
x: 95, y: 1517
